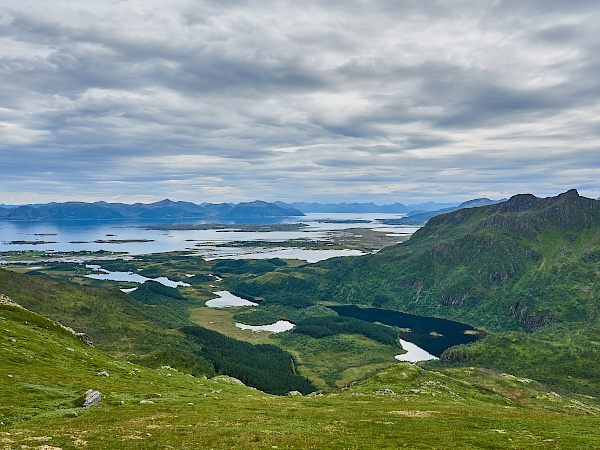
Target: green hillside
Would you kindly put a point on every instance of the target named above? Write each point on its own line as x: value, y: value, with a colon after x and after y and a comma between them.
x: 528, y: 265
x: 520, y: 264
x: 525, y: 270
x: 151, y: 327
x: 45, y: 370
x: 112, y: 320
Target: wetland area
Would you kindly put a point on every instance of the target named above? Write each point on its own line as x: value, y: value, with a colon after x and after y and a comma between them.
x: 193, y: 258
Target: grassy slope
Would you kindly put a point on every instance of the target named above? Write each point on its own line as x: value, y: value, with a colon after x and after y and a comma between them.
x: 505, y: 266
x: 527, y: 266
x: 404, y: 406
x: 564, y: 356
x: 131, y: 326
x: 115, y: 322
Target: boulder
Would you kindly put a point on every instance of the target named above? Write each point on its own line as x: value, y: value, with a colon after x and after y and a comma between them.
x: 92, y: 397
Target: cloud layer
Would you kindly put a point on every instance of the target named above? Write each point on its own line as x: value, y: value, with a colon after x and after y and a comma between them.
x: 316, y: 100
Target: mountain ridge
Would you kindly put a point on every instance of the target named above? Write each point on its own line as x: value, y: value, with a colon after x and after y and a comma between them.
x: 524, y: 270
x: 164, y: 209
x: 418, y: 218
x: 370, y: 207
x: 505, y: 266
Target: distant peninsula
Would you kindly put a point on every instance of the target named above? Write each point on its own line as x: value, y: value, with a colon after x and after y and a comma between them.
x: 415, y: 214
x: 165, y: 209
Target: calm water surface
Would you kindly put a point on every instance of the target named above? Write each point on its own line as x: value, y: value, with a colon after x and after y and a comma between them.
x: 75, y: 236
x: 277, y: 327
x: 429, y: 333
x: 133, y: 278
x: 414, y: 353
x: 227, y: 300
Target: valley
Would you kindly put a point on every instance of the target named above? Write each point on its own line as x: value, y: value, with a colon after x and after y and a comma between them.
x: 504, y: 294
x: 299, y: 225
x: 404, y: 406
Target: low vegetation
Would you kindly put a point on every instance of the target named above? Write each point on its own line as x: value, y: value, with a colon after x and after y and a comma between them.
x: 524, y: 271
x: 320, y: 327
x: 526, y: 266
x: 140, y: 407
x: 264, y: 366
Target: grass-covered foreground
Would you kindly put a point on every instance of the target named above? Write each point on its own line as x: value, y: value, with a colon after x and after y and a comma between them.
x: 45, y: 371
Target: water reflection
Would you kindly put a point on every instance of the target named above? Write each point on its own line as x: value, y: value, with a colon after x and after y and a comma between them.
x: 227, y: 299
x: 414, y: 353
x: 277, y: 327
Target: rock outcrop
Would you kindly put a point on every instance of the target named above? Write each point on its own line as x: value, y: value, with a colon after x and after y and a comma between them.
x: 91, y: 397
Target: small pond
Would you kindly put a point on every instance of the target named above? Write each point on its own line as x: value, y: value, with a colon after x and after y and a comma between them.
x: 130, y: 276
x: 227, y: 299
x: 277, y: 327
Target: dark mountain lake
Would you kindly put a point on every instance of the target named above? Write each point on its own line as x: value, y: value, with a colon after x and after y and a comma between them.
x: 430, y: 333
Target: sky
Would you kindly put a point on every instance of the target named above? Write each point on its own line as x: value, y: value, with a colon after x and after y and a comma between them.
x: 355, y: 100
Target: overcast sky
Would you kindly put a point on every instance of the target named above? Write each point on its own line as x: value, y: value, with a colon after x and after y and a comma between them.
x: 234, y: 100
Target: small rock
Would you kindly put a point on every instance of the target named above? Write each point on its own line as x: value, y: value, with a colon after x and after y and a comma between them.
x: 70, y: 349
x: 153, y: 395
x: 74, y: 414
x: 294, y: 393
x: 104, y: 373
x: 384, y: 392
x: 315, y: 394
x: 92, y: 397
x: 146, y: 401
x: 10, y: 376
x: 85, y: 339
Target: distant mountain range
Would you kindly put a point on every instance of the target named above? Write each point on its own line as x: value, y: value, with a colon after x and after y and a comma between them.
x: 306, y: 207
x: 399, y: 208
x: 418, y: 218
x: 165, y: 209
x: 417, y: 213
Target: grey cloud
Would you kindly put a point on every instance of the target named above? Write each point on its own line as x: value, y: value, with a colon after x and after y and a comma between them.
x: 453, y: 96
x: 493, y: 104
x: 546, y: 6
x: 562, y: 34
